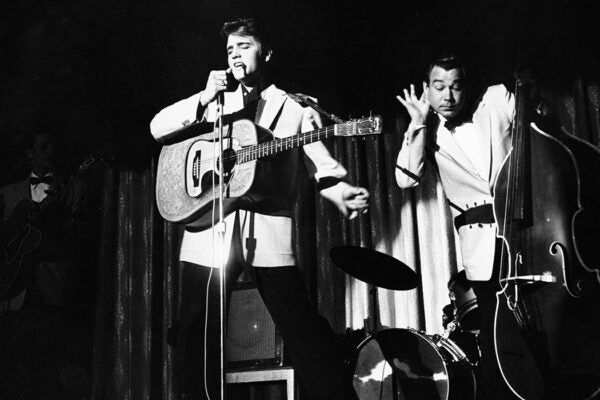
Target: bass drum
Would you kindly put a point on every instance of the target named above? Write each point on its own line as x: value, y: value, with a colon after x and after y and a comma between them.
x: 403, y: 364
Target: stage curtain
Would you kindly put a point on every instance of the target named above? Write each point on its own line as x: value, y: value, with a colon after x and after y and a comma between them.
x: 138, y: 291
x: 138, y: 281
x: 411, y: 226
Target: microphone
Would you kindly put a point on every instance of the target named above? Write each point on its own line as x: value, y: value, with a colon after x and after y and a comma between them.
x: 231, y: 86
x: 231, y: 81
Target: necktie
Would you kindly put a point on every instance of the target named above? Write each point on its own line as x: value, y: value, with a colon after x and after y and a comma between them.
x: 249, y: 97
x: 250, y: 110
x: 456, y: 121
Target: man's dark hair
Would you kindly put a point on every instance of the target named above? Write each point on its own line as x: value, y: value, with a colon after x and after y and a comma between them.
x: 38, y: 130
x: 246, y: 27
x: 447, y: 61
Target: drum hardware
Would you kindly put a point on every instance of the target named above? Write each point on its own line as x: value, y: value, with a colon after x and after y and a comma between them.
x: 456, y: 351
x: 462, y: 296
x: 465, y: 340
x: 461, y: 318
x: 449, y: 321
x: 452, y: 326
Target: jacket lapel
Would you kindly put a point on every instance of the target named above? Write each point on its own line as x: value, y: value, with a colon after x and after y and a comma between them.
x: 272, y: 98
x: 482, y: 123
x: 449, y: 147
x: 25, y: 189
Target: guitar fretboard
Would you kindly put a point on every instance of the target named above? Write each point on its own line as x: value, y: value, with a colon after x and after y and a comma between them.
x: 282, y: 144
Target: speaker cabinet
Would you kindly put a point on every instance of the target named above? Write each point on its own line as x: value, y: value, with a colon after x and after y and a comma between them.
x: 252, y: 339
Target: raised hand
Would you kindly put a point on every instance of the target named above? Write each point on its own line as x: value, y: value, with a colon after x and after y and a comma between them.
x: 417, y: 107
x: 215, y: 84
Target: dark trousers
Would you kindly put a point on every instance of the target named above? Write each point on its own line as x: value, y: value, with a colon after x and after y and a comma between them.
x: 518, y: 364
x: 491, y: 384
x: 313, y: 347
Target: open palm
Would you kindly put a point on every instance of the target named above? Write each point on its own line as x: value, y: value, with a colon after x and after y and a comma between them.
x: 417, y: 107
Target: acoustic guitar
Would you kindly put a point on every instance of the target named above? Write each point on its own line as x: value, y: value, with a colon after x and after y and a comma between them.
x: 188, y: 176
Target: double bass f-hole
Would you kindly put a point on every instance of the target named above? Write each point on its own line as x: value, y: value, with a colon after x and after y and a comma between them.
x: 513, y: 302
x: 577, y: 291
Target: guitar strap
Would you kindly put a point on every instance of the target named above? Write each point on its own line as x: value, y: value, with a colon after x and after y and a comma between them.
x: 275, y: 120
x: 251, y: 239
x: 306, y: 101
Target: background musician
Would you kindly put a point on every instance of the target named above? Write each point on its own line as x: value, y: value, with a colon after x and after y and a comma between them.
x: 48, y: 280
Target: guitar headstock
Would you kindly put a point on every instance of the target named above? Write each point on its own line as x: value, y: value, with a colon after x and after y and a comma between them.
x: 95, y: 159
x: 371, y: 125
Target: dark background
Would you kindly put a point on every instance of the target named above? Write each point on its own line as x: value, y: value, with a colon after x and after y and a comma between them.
x: 96, y: 70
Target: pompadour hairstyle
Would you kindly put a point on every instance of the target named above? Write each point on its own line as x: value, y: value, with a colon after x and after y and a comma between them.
x: 447, y: 61
x: 246, y: 27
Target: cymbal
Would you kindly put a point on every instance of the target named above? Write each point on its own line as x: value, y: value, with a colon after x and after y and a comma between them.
x: 374, y: 267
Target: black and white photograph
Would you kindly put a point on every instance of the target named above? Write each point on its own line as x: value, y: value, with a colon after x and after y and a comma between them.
x: 270, y: 200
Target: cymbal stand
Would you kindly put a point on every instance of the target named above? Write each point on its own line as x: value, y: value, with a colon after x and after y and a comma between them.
x: 372, y: 322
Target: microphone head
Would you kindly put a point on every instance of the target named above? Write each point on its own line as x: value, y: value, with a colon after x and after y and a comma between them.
x: 232, y: 83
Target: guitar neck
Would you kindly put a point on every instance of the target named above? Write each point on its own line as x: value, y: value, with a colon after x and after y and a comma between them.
x: 360, y: 127
x: 91, y: 161
x: 283, y: 144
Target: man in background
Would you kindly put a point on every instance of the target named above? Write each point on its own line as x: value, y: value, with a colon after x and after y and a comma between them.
x: 47, y: 280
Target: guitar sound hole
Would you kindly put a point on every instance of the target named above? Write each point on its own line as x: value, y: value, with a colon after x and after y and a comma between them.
x: 229, y: 161
x: 211, y: 178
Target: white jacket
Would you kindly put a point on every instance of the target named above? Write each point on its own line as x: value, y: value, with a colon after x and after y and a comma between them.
x: 266, y: 239
x: 463, y: 184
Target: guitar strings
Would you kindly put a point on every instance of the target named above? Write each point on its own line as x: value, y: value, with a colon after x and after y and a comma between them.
x: 256, y: 151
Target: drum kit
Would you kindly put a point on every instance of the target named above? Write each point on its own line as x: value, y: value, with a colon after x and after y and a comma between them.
x: 408, y: 364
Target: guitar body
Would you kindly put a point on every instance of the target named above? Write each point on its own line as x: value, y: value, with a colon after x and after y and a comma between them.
x: 258, y: 173
x: 188, y: 176
x: 20, y: 239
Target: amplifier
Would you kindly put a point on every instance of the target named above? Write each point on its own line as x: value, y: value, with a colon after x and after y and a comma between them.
x: 252, y: 339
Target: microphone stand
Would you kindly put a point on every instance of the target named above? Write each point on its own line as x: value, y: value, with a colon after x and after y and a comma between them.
x: 220, y: 229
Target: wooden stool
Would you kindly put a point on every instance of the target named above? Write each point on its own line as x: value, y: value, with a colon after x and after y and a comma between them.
x: 250, y: 375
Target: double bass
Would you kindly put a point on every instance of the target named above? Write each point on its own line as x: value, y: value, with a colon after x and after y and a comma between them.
x: 548, y: 214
